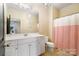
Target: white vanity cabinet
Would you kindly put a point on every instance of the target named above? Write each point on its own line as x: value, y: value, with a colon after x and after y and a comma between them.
x: 25, y: 47
x: 11, y: 51
x: 23, y: 50
x: 11, y: 48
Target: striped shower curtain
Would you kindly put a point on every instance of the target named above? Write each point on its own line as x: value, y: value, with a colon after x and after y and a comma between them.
x: 66, y: 34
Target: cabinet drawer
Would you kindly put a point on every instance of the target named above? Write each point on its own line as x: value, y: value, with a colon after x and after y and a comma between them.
x: 11, y: 42
x: 11, y: 51
x: 24, y: 41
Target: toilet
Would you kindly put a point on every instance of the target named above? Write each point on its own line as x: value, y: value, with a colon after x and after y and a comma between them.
x: 50, y: 46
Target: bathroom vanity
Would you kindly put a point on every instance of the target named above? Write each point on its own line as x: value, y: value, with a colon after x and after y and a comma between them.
x: 24, y: 45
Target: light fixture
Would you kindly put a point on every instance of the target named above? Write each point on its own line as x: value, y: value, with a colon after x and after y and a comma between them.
x: 23, y: 5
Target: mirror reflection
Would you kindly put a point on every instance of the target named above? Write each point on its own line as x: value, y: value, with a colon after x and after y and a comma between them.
x: 21, y: 19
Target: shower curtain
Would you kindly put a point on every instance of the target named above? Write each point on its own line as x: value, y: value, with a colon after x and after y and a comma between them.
x: 66, y: 34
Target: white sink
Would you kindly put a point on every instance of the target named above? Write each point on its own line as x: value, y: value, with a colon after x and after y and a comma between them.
x: 21, y: 36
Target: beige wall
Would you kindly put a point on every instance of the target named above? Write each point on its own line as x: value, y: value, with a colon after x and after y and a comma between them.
x: 56, y: 12
x: 43, y: 19
x: 51, y: 22
x: 73, y: 8
x: 53, y: 14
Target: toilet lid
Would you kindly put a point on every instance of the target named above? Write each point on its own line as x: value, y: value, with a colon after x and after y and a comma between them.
x: 50, y: 44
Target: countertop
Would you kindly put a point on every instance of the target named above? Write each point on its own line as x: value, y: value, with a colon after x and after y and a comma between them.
x: 21, y: 36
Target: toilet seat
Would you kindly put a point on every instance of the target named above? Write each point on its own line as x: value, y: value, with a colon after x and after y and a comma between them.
x: 50, y: 44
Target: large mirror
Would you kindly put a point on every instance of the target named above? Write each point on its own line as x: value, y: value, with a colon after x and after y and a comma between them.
x: 21, y: 20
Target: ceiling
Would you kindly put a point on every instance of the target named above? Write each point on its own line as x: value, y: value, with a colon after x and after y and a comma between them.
x: 18, y: 5
x: 61, y: 5
x: 30, y: 6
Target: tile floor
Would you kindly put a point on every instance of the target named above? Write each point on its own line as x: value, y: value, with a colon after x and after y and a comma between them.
x: 55, y: 52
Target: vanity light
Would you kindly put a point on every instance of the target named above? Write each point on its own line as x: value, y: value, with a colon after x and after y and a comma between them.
x: 23, y: 5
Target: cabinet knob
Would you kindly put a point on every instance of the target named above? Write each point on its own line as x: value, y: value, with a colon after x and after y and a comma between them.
x: 7, y: 45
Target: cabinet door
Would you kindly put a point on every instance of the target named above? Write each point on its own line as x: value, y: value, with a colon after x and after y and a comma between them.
x: 41, y: 45
x: 33, y: 48
x: 11, y: 51
x: 23, y: 50
x: 37, y: 47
